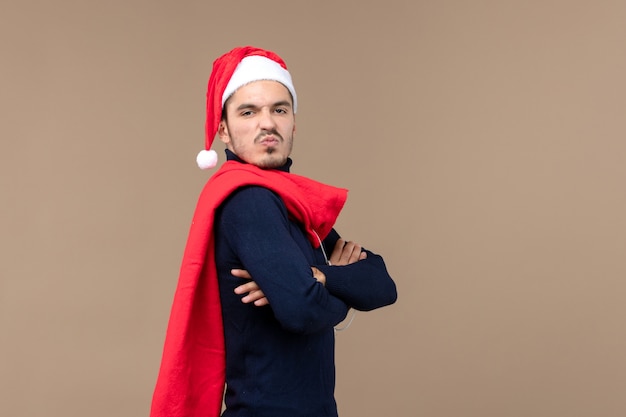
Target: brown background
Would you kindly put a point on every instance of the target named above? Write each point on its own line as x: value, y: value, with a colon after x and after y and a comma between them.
x: 483, y: 144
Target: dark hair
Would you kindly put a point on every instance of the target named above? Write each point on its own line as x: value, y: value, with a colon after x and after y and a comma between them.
x: 224, y: 116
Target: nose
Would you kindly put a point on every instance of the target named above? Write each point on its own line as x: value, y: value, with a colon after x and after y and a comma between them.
x: 267, y: 121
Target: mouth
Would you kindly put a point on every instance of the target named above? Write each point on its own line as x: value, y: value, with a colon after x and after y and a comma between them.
x: 269, y: 141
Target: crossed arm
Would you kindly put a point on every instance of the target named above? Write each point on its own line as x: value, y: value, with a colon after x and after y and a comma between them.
x: 344, y: 253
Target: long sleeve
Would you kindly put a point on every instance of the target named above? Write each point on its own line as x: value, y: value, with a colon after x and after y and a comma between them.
x: 364, y: 285
x: 255, y: 224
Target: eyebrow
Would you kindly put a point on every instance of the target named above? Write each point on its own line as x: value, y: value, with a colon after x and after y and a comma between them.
x: 283, y: 103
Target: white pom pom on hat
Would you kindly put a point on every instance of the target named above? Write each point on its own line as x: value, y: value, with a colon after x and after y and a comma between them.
x: 206, y: 159
x: 232, y: 70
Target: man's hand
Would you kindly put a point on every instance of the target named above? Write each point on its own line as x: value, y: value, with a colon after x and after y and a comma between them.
x: 346, y: 253
x: 319, y: 275
x: 254, y: 293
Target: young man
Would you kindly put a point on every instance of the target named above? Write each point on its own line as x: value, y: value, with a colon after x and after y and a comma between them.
x: 258, y: 297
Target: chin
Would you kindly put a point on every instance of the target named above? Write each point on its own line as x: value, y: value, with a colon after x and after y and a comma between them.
x: 271, y: 161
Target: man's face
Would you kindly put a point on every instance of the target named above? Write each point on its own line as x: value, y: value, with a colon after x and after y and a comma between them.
x: 260, y: 124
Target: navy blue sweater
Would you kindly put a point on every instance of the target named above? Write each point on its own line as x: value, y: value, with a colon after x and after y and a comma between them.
x: 280, y: 358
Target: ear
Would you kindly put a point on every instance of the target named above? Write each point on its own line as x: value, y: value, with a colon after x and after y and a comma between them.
x: 222, y: 132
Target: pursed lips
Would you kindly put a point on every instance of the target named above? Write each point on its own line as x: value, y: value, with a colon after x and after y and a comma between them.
x: 269, y: 140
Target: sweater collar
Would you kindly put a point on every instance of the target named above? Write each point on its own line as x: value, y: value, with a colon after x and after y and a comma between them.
x: 231, y: 156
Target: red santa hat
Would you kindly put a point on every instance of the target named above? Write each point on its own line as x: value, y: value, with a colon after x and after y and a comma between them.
x: 232, y: 70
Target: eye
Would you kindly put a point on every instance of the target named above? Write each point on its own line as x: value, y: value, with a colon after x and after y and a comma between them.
x: 281, y: 110
x: 246, y: 113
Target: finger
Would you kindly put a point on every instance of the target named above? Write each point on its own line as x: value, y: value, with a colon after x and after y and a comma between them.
x: 248, y: 287
x: 356, y: 254
x: 363, y: 255
x: 336, y: 255
x: 262, y: 302
x: 253, y: 297
x: 240, y: 273
x: 347, y: 253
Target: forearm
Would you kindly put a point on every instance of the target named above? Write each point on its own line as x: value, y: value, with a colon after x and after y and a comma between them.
x: 299, y: 302
x: 364, y: 285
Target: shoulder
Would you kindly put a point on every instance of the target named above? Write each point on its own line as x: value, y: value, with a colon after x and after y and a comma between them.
x: 252, y: 195
x: 252, y: 200
x: 250, y: 215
